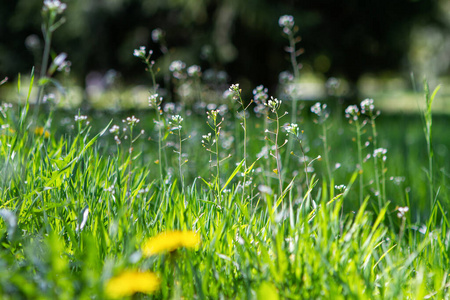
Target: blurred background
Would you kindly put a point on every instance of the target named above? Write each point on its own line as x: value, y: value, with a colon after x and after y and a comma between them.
x: 380, y: 49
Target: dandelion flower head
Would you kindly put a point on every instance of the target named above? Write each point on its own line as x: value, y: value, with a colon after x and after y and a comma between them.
x: 170, y: 241
x: 130, y: 282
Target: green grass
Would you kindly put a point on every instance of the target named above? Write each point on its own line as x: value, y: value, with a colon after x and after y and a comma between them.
x: 295, y: 245
x: 281, y: 213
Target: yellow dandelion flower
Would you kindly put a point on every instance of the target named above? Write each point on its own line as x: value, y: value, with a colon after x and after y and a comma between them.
x: 170, y: 241
x: 131, y: 282
x: 40, y: 131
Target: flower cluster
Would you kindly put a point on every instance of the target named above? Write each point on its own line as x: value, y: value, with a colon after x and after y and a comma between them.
x: 157, y: 35
x: 142, y: 53
x: 340, y: 187
x: 206, y: 139
x: 321, y: 111
x: 380, y: 153
x: 292, y: 129
x: 273, y: 103
x: 131, y: 120
x: 154, y: 101
x: 285, y: 77
x: 114, y: 129
x: 287, y: 23
x: 80, y: 118
x: 367, y: 106
x: 176, y: 122
x: 401, y: 211
x: 212, y: 114
x: 235, y: 91
x: 50, y: 98
x: 177, y: 67
x: 260, y: 95
x: 54, y: 5
x: 194, y: 71
x: 352, y: 112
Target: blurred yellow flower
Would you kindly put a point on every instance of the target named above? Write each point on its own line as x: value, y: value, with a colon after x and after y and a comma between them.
x: 170, y: 241
x: 131, y: 282
x: 40, y: 131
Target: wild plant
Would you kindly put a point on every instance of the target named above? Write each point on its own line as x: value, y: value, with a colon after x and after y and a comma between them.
x: 52, y: 20
x: 274, y: 105
x: 159, y: 37
x: 146, y: 58
x: 131, y: 123
x: 352, y: 113
x: 368, y: 108
x: 211, y: 144
x: 194, y: 73
x: 322, y: 113
x: 260, y: 96
x: 290, y: 30
x: 178, y: 70
x: 175, y: 124
x: 236, y: 93
x: 294, y: 131
x: 155, y: 101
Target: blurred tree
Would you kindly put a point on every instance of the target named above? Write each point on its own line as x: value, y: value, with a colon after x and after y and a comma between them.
x: 341, y: 38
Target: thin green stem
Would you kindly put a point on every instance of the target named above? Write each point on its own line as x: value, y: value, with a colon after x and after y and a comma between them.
x: 216, y: 134
x: 360, y: 162
x: 293, y: 57
x: 380, y: 195
x: 277, y: 155
x: 325, y: 152
x: 180, y: 160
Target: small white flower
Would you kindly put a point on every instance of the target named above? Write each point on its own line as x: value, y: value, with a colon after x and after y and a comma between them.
x: 285, y: 77
x: 234, y: 87
x: 59, y: 60
x: 80, y: 118
x: 176, y: 122
x: 273, y: 104
x: 318, y: 108
x: 401, y: 211
x: 367, y: 106
x: 340, y: 187
x: 157, y: 34
x: 352, y: 111
x: 177, y: 66
x: 286, y: 21
x: 140, y: 52
x: 50, y: 97
x: 212, y: 114
x: 194, y: 71
x: 260, y: 95
x: 131, y: 120
x: 292, y: 128
x: 114, y: 129
x: 380, y: 153
x: 54, y: 5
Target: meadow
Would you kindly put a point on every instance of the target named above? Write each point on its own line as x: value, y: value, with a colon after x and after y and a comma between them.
x: 261, y: 198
